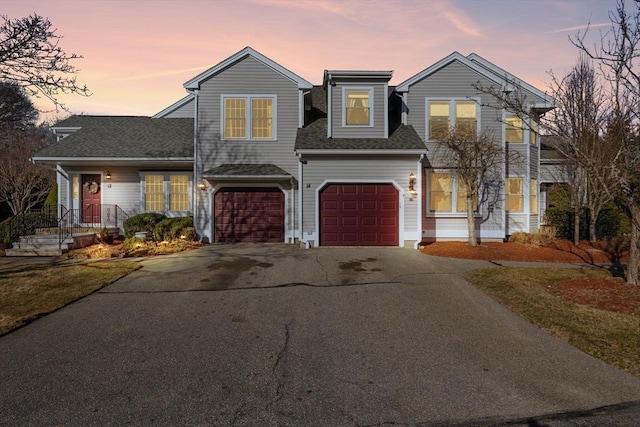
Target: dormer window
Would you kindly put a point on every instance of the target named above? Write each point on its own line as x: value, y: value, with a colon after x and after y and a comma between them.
x: 357, y: 104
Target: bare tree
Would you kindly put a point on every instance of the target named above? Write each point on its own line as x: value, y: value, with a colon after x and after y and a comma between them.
x: 23, y: 185
x: 478, y: 161
x: 30, y: 56
x: 577, y: 125
x: 619, y: 57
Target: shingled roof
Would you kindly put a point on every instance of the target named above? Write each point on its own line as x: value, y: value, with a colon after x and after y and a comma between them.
x: 314, y: 135
x: 125, y: 137
x: 246, y: 170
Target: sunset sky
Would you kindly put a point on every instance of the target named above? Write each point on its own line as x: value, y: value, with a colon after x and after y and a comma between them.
x: 137, y: 54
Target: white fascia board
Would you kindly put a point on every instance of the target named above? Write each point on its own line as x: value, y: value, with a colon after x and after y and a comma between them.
x: 247, y: 51
x: 455, y: 56
x: 110, y: 159
x: 357, y: 152
x: 65, y: 129
x: 171, y: 108
x: 503, y: 74
x: 248, y: 177
x: 367, y: 74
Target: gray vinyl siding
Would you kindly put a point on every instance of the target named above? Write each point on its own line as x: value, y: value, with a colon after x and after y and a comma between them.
x: 184, y: 112
x: 379, y: 118
x: 248, y: 77
x: 124, y: 189
x: 355, y: 169
x: 452, y: 81
x: 550, y: 173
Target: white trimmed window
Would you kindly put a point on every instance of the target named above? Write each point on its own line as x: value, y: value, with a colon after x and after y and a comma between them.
x: 513, y: 129
x: 515, y: 195
x: 166, y: 192
x: 358, y: 106
x: 460, y: 115
x: 178, y: 192
x: 533, y: 132
x: 248, y: 117
x: 444, y: 187
x: 154, y: 192
x: 533, y: 196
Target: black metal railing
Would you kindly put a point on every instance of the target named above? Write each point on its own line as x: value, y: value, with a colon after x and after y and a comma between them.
x: 89, y: 219
x: 28, y: 222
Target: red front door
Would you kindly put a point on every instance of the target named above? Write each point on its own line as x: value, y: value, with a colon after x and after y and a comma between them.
x: 91, y: 189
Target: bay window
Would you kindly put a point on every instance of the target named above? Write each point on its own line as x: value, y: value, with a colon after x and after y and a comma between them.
x: 513, y: 130
x: 533, y: 196
x: 515, y: 195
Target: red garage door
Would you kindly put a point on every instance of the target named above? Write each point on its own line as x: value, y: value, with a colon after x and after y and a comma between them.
x: 359, y: 215
x: 249, y: 215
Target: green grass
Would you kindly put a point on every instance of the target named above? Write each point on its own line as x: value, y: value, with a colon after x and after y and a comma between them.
x: 30, y: 291
x: 610, y: 336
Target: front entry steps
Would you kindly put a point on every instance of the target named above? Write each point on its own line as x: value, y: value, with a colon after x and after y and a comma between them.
x: 39, y: 245
x: 45, y: 243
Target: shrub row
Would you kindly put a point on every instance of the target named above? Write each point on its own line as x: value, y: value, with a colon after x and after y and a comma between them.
x: 607, y: 225
x: 161, y: 227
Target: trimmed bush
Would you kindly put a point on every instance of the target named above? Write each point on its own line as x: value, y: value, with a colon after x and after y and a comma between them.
x: 145, y: 222
x: 544, y: 237
x: 562, y: 221
x: 175, y: 228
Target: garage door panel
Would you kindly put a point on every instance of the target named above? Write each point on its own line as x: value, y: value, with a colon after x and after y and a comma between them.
x: 359, y: 214
x: 249, y: 215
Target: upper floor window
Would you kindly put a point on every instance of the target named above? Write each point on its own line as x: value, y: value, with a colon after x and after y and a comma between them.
x: 533, y: 132
x: 513, y: 130
x: 358, y: 104
x: 248, y: 117
x: 443, y: 116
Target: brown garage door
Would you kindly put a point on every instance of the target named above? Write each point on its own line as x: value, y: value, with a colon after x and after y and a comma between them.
x: 249, y: 215
x: 359, y: 215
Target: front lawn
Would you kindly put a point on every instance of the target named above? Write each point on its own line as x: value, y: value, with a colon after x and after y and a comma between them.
x: 585, y: 307
x: 29, y: 291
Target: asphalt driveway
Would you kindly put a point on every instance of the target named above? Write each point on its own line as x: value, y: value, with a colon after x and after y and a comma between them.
x: 277, y: 335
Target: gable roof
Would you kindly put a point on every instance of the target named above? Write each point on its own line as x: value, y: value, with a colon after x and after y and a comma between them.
x: 195, y: 82
x: 455, y: 56
x: 506, y: 76
x: 173, y: 107
x: 122, y: 137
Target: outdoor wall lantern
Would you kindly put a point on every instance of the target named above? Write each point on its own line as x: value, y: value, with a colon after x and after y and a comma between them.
x: 108, y: 175
x: 412, y: 187
x: 202, y: 186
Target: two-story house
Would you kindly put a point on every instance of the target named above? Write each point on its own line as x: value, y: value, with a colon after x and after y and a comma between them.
x: 258, y: 154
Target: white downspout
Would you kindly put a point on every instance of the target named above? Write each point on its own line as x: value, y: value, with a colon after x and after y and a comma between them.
x: 196, y: 177
x: 300, y: 197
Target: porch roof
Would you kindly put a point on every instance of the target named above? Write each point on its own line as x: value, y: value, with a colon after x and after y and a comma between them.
x: 246, y: 171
